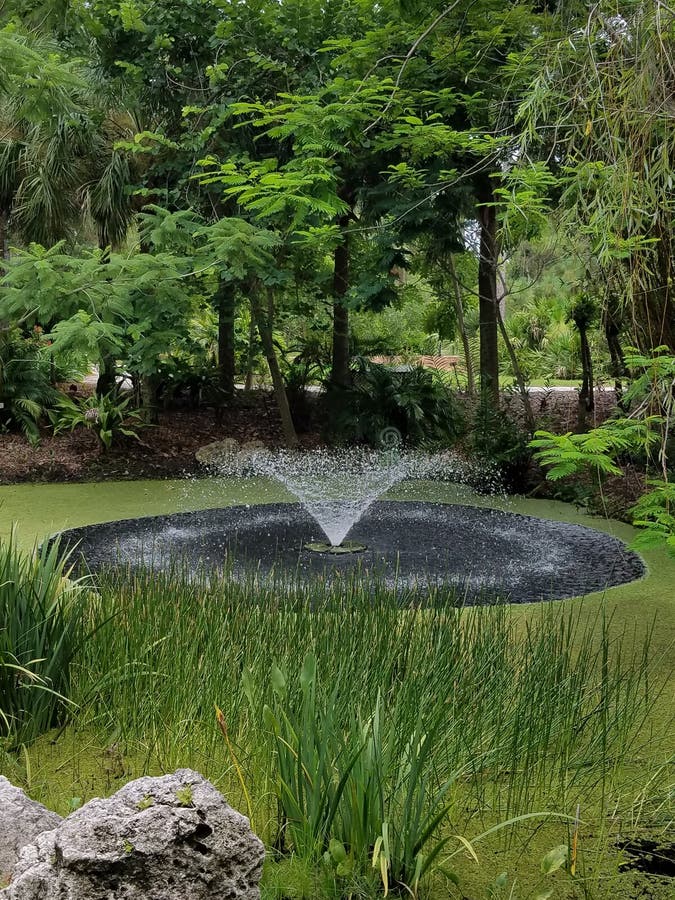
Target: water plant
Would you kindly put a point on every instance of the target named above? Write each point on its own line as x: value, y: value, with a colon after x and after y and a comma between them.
x: 545, y: 709
x: 43, y: 621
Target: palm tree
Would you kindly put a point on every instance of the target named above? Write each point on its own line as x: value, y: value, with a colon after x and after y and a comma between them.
x: 60, y: 171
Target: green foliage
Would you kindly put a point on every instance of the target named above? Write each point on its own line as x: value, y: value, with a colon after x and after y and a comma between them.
x: 569, y: 454
x: 651, y: 397
x: 583, y: 311
x: 44, y: 616
x: 496, y: 439
x: 605, y: 100
x: 596, y: 450
x: 108, y: 416
x: 652, y: 387
x: 412, y: 324
x: 36, y: 76
x: 601, y: 450
x: 131, y: 307
x: 416, y: 402
x: 26, y: 392
x: 655, y: 514
x: 541, y: 709
x: 349, y: 794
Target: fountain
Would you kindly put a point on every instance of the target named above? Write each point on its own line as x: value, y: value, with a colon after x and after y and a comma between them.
x: 344, y: 525
x: 336, y: 488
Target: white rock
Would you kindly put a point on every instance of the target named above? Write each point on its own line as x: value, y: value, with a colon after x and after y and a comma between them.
x: 168, y: 838
x: 21, y: 821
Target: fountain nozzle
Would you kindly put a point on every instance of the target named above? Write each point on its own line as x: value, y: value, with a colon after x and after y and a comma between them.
x: 335, y: 549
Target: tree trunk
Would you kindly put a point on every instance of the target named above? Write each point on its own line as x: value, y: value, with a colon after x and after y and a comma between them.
x: 617, y: 365
x: 250, y: 357
x: 225, y: 301
x: 264, y: 321
x: 487, y: 294
x: 461, y: 327
x: 586, y: 394
x: 4, y: 237
x: 4, y: 256
x: 340, y: 365
x: 663, y: 316
x: 149, y: 389
x: 517, y: 372
x: 107, y: 370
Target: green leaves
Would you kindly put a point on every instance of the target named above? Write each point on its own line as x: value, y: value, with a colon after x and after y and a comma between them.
x: 288, y: 196
x: 45, y: 616
x: 655, y: 513
x: 132, y: 307
x: 569, y: 454
x: 109, y: 417
x: 25, y: 388
x: 598, y: 449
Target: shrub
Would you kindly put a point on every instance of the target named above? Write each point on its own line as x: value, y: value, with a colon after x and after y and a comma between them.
x: 25, y: 388
x: 416, y: 402
x: 499, y: 441
x: 108, y: 417
x: 42, y: 616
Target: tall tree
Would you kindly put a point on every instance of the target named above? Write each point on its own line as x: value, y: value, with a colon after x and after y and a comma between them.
x: 601, y: 109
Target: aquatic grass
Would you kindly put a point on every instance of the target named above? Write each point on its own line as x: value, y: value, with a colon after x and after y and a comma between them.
x: 43, y: 623
x: 545, y: 711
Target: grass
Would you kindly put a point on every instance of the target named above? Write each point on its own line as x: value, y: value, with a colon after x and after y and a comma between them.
x: 541, y: 707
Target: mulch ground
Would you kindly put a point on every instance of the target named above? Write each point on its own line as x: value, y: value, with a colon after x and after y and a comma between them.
x: 168, y: 449
x: 165, y: 450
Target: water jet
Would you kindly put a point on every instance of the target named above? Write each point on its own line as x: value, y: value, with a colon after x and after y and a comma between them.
x: 345, y: 526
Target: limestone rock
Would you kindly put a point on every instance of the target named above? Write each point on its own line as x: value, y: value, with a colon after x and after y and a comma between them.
x: 218, y: 453
x: 21, y: 821
x: 248, y: 448
x: 168, y: 838
x: 229, y: 455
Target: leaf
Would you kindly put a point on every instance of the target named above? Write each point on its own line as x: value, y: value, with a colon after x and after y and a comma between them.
x: 308, y: 673
x: 247, y: 685
x: 554, y: 859
x: 337, y: 850
x: 278, y: 682
x: 469, y: 848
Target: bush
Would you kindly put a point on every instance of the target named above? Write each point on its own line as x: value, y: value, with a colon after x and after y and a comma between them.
x: 42, y: 616
x: 499, y: 441
x: 416, y: 402
x: 108, y: 417
x: 25, y: 389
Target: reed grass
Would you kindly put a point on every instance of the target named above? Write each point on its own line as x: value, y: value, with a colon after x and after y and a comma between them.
x: 43, y: 622
x: 548, y: 713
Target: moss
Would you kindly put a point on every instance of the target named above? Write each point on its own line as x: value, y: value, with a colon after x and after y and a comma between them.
x: 184, y: 796
x: 41, y: 509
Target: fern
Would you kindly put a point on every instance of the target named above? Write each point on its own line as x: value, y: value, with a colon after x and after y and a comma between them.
x: 654, y: 513
x: 570, y: 454
x: 25, y: 389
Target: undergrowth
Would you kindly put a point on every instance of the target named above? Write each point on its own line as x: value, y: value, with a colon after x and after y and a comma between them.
x: 372, y: 736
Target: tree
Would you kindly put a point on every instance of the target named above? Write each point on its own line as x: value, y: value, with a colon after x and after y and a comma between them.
x: 105, y: 305
x: 600, y: 110
x: 457, y: 129
x: 331, y: 126
x: 188, y: 63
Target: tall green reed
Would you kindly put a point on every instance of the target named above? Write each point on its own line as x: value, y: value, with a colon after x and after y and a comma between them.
x: 43, y: 619
x: 522, y: 712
